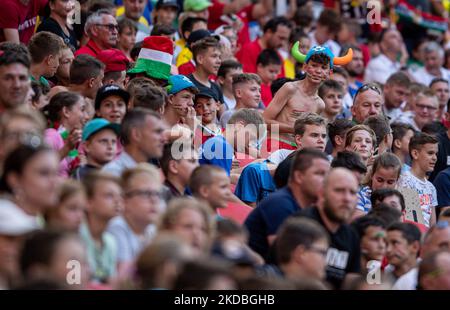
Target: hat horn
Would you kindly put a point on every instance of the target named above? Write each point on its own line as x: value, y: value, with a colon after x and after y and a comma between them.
x: 296, y: 53
x: 344, y: 59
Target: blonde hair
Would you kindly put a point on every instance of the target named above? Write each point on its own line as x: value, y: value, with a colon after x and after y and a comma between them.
x: 351, y: 132
x: 142, y: 168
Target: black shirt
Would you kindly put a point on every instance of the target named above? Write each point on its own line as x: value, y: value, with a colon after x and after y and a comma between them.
x: 344, y: 253
x: 443, y: 156
x: 51, y: 25
x: 214, y: 87
x: 281, y: 175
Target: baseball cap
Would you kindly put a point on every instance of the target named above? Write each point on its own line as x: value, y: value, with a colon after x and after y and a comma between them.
x: 167, y: 3
x: 179, y: 82
x: 14, y: 221
x: 97, y: 124
x: 197, y: 35
x: 196, y: 5
x: 114, y: 60
x: 206, y: 93
x: 110, y: 90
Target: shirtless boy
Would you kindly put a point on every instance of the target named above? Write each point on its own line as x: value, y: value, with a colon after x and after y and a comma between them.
x: 300, y: 96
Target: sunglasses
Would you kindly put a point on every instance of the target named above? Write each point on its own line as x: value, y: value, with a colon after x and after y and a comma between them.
x: 368, y: 86
x: 111, y: 27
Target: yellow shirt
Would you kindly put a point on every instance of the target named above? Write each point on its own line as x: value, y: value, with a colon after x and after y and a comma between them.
x: 184, y: 56
x: 121, y: 10
x: 289, y: 68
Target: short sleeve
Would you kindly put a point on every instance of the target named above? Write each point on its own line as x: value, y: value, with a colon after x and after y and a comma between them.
x: 249, y: 184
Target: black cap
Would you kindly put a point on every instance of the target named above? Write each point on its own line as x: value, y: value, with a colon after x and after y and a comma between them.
x: 110, y: 90
x: 167, y: 3
x: 197, y: 35
x: 206, y: 93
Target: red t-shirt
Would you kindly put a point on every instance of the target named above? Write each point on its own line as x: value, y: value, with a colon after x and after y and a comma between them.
x: 90, y: 48
x: 266, y: 94
x: 15, y: 15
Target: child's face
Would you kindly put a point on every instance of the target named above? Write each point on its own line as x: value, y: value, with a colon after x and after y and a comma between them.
x: 249, y: 94
x: 404, y: 142
x: 182, y: 101
x: 185, y: 168
x: 107, y: 201
x: 219, y: 193
x: 374, y: 243
x: 333, y: 102
x: 316, y: 72
x: 314, y: 137
x: 102, y: 146
x: 127, y: 38
x: 71, y: 211
x: 210, y: 60
x: 384, y: 178
x: 227, y: 82
x: 362, y: 144
x: 76, y: 116
x: 426, y: 157
x: 142, y: 200
x: 113, y: 109
x: 269, y: 73
x: 207, y: 109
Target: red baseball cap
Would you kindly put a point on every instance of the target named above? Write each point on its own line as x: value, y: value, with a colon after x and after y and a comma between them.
x: 114, y: 60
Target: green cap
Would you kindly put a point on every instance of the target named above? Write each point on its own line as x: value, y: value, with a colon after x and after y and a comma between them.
x: 196, y: 5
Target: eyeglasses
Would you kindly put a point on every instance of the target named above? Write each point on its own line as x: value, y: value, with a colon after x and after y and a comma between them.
x: 368, y: 86
x: 322, y: 252
x: 147, y: 194
x: 111, y: 27
x: 423, y: 107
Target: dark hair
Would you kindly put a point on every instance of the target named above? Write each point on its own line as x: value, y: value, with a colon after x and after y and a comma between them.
x: 304, y: 158
x: 419, y: 140
x: 399, y: 130
x: 134, y: 53
x: 273, y: 24
x: 150, y: 97
x: 330, y: 19
x: 188, y: 24
x: 125, y: 23
x: 434, y: 128
x: 350, y: 160
x: 203, y: 175
x: 361, y: 224
x: 43, y: 44
x: 320, y: 59
x: 386, y: 213
x: 445, y: 213
x: 296, y: 34
x: 59, y: 101
x: 380, y: 125
x: 338, y: 128
x: 39, y: 248
x: 14, y: 53
x: 83, y: 68
x: 162, y: 30
x: 326, y: 85
x: 228, y: 228
x: 203, y: 45
x: 438, y: 80
x: 409, y: 231
x: 297, y: 231
x: 268, y: 57
x: 16, y: 161
x: 399, y: 79
x: 112, y: 75
x: 228, y: 65
x: 379, y: 195
x: 134, y: 118
x: 101, y: 5
x: 385, y: 160
x: 278, y: 83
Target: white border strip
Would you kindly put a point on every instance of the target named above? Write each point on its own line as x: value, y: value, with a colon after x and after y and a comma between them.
x: 149, y: 54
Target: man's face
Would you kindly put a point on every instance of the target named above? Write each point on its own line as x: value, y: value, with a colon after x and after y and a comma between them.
x: 64, y: 64
x: 392, y: 41
x: 433, y: 61
x: 384, y: 178
x: 340, y: 197
x: 314, y: 137
x: 312, y: 178
x: 268, y: 73
x: 52, y: 65
x: 426, y: 157
x: 107, y: 201
x: 398, y: 249
x: 356, y: 66
x: 394, y: 95
x: 367, y: 104
x: 439, y: 240
x: 316, y: 72
x: 442, y: 92
x: 279, y: 38
x: 333, y: 102
x: 373, y: 243
x: 166, y: 15
x: 151, y: 142
x: 249, y: 93
x: 210, y: 60
x: 107, y: 31
x: 134, y: 8
x: 101, y: 147
x: 182, y: 101
x: 14, y: 85
x: 425, y: 110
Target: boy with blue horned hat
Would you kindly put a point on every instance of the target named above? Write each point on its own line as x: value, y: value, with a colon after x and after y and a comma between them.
x: 300, y: 96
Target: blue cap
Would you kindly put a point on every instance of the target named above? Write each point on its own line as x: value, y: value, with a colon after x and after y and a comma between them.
x: 97, y: 124
x: 317, y: 50
x: 179, y: 82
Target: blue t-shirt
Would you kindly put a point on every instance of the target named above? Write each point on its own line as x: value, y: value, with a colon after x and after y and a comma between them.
x: 267, y: 217
x: 218, y: 152
x: 255, y: 183
x: 442, y: 184
x: 353, y: 91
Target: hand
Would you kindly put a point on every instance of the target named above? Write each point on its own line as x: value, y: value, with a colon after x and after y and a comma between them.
x: 189, y: 119
x: 74, y: 138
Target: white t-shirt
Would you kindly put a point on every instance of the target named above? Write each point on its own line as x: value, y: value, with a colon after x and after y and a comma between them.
x: 421, y: 75
x: 379, y: 69
x: 407, y: 282
x: 427, y: 194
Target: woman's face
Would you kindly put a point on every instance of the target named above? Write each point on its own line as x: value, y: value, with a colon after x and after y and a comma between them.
x: 190, y: 225
x: 70, y: 212
x: 76, y: 115
x: 37, y: 184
